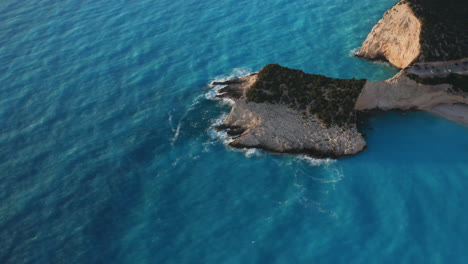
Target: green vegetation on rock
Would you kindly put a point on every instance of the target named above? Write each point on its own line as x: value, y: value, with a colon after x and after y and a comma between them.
x: 444, y: 33
x: 459, y: 82
x: 332, y: 100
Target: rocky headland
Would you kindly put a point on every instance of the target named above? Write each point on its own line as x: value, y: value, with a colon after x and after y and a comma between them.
x: 419, y: 31
x: 288, y: 111
x: 395, y: 38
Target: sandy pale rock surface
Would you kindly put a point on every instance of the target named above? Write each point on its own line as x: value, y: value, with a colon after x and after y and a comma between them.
x: 395, y: 38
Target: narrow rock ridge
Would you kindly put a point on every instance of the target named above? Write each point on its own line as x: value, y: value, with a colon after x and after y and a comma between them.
x: 439, y: 68
x: 395, y: 38
x: 235, y: 88
x: 401, y: 92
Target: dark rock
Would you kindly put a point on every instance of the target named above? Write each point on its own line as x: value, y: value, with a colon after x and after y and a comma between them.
x: 228, y: 82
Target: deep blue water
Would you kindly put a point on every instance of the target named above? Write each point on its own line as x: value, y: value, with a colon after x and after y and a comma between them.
x: 108, y: 152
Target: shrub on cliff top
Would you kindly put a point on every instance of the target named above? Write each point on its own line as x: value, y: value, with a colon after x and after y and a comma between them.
x: 444, y: 33
x: 332, y: 100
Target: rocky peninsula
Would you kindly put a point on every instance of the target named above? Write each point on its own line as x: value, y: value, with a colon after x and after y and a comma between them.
x: 288, y: 111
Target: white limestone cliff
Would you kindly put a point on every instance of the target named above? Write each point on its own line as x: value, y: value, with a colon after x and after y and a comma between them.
x: 395, y: 38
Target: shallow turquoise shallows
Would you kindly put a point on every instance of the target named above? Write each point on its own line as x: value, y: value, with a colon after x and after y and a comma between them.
x: 109, y: 153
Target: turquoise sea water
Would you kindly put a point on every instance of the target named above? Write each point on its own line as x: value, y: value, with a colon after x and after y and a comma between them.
x: 109, y: 154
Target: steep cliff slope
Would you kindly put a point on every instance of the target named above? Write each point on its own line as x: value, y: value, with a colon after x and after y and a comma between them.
x: 419, y: 31
x: 395, y: 38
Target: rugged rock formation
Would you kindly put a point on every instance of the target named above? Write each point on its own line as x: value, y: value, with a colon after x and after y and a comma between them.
x: 395, y: 38
x: 237, y: 87
x: 279, y: 128
x: 289, y: 111
x: 419, y: 31
x: 439, y: 69
x: 269, y: 114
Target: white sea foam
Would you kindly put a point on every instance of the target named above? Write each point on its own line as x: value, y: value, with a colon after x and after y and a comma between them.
x: 331, y: 171
x: 223, y: 136
x: 211, y: 95
x: 235, y: 73
x: 195, y: 102
x: 176, y: 161
x: 333, y: 174
x: 176, y: 132
x: 316, y: 162
x: 219, y: 135
x: 177, y: 129
x: 354, y: 51
x: 309, y: 203
x: 252, y: 152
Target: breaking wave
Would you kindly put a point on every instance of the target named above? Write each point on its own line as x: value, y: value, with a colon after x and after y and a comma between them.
x: 353, y: 52
x: 315, y: 162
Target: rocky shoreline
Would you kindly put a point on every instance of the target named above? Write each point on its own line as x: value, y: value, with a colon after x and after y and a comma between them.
x: 279, y: 128
x: 282, y: 129
x: 284, y: 110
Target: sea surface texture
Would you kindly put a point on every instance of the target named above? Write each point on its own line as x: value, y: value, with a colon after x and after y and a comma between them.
x: 109, y: 153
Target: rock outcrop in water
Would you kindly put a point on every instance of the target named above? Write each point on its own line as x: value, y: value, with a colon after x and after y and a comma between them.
x: 288, y: 111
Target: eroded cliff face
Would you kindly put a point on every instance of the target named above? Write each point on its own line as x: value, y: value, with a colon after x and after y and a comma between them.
x: 395, y: 38
x: 401, y: 92
x: 278, y: 128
